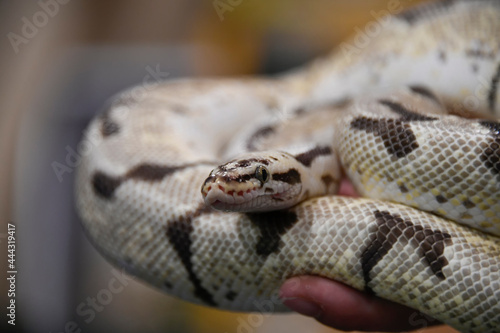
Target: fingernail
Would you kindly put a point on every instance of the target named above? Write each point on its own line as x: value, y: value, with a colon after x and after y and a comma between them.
x: 303, y: 306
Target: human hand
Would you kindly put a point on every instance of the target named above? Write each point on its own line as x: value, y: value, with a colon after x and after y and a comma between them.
x: 342, y: 307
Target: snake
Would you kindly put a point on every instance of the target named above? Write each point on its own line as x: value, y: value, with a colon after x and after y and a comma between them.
x: 217, y: 190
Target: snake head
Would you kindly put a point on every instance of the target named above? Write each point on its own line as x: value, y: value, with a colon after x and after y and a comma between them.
x: 255, y: 182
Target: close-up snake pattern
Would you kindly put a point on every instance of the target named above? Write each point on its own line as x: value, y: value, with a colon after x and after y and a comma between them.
x: 218, y: 190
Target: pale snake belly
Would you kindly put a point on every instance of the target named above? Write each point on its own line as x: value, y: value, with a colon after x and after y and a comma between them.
x: 427, y: 237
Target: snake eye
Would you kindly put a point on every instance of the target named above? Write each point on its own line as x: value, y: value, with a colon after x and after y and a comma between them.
x: 262, y: 174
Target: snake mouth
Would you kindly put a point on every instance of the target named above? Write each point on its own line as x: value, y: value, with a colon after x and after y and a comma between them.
x: 258, y: 202
x: 251, y: 201
x: 221, y: 198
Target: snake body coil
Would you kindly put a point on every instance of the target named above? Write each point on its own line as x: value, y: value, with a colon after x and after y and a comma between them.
x: 273, y: 151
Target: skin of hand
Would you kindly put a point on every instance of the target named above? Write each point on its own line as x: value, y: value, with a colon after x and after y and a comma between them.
x: 342, y: 307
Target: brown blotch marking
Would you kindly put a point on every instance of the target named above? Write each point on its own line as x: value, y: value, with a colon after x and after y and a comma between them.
x: 406, y: 115
x: 306, y: 158
x: 390, y: 227
x: 441, y: 199
x: 291, y: 177
x: 414, y: 15
x: 398, y: 138
x: 108, y: 126
x: 178, y: 108
x: 259, y: 134
x: 468, y: 204
x: 299, y: 111
x: 492, y: 93
x: 423, y: 91
x: 396, y: 134
x: 327, y: 180
x: 403, y: 188
x: 479, y: 53
x: 230, y: 295
x: 442, y: 55
x: 341, y: 102
x: 151, y: 172
x: 156, y: 172
x: 491, y: 155
x: 272, y: 226
x: 103, y: 185
x: 179, y: 234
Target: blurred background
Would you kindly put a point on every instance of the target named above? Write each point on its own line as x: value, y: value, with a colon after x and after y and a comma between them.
x: 59, y: 61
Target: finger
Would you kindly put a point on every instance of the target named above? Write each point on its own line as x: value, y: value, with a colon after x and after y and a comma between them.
x: 337, y: 305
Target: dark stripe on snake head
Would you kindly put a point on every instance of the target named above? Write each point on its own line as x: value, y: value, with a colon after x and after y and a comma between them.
x: 259, y: 134
x: 272, y: 226
x: 238, y: 178
x: 397, y: 136
x: 492, y: 93
x: 246, y: 162
x: 291, y: 177
x: 233, y: 165
x: 179, y: 234
x: 490, y: 155
x: 406, y: 115
x: 306, y: 158
x: 391, y: 228
x: 423, y: 91
x: 108, y: 126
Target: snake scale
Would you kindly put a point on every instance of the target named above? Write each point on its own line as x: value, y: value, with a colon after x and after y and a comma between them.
x: 269, y: 153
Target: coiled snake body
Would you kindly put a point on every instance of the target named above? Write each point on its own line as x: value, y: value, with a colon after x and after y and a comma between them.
x: 278, y: 148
